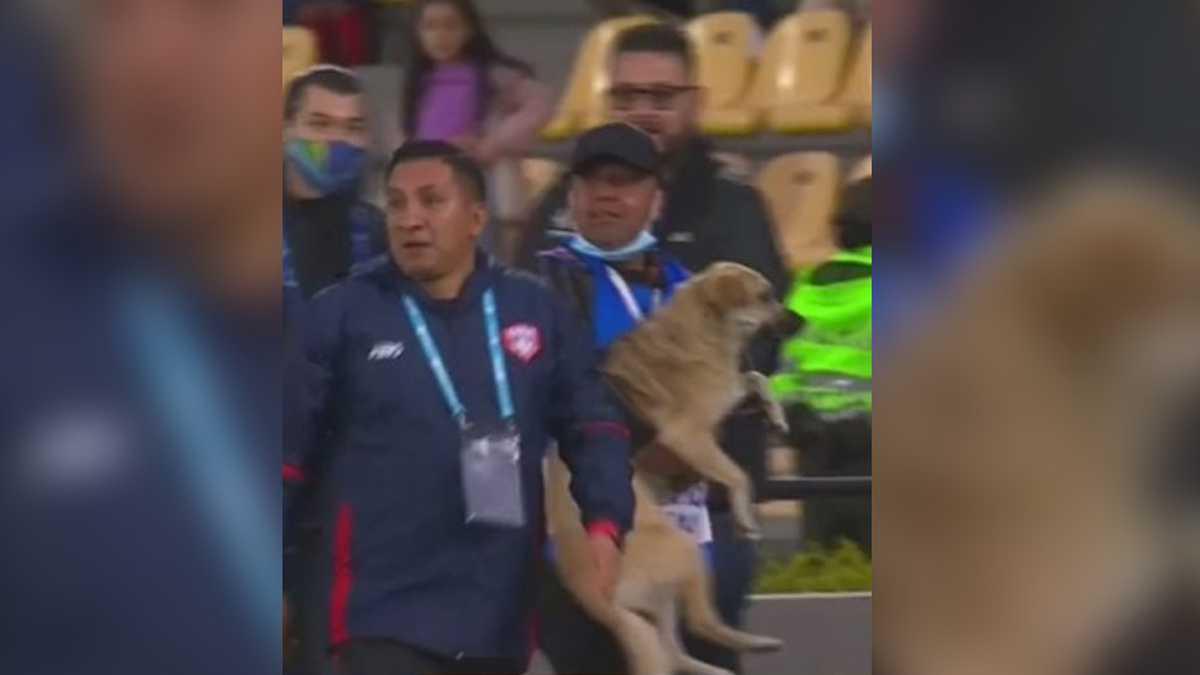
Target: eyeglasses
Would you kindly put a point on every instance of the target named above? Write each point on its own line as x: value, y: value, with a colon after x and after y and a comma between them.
x: 663, y: 97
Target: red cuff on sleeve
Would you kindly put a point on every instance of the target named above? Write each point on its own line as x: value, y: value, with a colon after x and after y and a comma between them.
x: 605, y: 528
x: 606, y: 428
x: 293, y: 474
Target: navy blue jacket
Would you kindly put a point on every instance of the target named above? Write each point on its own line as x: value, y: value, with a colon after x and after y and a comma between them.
x: 405, y: 565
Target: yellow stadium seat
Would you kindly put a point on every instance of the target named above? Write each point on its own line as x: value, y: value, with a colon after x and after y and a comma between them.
x: 801, y: 190
x: 299, y: 52
x: 583, y: 104
x: 726, y: 45
x: 860, y: 171
x: 802, y: 72
x: 857, y: 93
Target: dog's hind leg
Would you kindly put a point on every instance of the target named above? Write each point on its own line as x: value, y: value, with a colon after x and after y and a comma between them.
x: 706, y: 458
x: 638, y: 637
x: 703, y: 620
x: 668, y: 633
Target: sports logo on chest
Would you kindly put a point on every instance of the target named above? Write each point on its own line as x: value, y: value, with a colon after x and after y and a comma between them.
x: 386, y: 351
x: 523, y: 341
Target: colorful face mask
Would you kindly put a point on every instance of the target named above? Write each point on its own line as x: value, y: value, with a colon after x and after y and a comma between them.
x: 329, y: 167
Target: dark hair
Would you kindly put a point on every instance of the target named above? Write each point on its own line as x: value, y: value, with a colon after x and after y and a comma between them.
x: 465, y: 169
x: 656, y: 38
x: 479, y: 50
x: 335, y: 79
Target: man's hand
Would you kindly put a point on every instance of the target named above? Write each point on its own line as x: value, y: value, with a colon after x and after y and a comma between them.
x: 606, y: 558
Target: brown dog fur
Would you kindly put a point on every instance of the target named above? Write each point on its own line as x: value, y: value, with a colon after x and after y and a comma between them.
x: 679, y: 372
x: 1016, y: 434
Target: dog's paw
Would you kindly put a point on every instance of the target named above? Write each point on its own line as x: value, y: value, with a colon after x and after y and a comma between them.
x: 752, y: 534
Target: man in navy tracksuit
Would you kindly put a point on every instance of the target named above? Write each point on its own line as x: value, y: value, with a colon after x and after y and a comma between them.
x: 433, y: 382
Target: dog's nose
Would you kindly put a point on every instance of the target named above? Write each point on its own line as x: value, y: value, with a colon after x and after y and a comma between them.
x: 787, y: 323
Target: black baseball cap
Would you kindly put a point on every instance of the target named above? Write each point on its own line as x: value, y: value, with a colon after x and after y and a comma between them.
x: 616, y: 142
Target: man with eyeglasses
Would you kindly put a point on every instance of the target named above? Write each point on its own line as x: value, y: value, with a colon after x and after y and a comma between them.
x: 706, y: 217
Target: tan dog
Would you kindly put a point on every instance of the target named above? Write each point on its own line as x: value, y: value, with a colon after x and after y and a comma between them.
x: 678, y: 372
x: 1015, y: 530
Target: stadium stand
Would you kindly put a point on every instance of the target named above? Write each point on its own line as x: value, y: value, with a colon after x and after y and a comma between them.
x: 801, y: 190
x: 583, y: 104
x: 857, y: 91
x: 727, y: 45
x: 299, y: 51
x: 801, y: 74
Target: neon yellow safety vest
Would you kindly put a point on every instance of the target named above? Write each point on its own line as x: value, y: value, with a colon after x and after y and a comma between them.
x: 828, y: 365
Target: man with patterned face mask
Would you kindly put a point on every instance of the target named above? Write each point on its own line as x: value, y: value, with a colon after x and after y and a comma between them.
x: 328, y: 230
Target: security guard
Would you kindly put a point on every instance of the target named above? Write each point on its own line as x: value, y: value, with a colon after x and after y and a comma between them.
x: 435, y: 381
x: 825, y: 381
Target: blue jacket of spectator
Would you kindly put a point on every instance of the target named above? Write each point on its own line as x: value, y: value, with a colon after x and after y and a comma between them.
x: 405, y: 564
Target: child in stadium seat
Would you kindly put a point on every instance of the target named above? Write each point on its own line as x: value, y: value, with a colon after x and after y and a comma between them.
x: 463, y: 89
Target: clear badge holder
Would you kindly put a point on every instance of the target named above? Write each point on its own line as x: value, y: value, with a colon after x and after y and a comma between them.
x: 491, y: 473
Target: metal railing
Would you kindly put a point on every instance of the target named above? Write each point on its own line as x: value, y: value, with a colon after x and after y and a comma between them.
x: 815, y: 487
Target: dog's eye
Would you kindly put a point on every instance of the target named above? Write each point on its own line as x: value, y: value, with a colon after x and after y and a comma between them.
x: 766, y: 296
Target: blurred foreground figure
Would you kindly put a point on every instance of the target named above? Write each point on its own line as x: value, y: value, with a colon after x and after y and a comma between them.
x: 139, y: 383
x: 1033, y: 514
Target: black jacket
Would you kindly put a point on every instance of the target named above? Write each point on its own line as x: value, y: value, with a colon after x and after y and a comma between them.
x: 708, y: 217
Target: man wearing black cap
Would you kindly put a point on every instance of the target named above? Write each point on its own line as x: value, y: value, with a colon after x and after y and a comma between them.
x: 613, y: 270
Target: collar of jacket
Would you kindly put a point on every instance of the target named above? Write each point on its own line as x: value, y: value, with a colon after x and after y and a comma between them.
x: 485, y: 275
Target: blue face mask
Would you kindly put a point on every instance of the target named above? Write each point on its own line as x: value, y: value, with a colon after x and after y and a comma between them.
x: 329, y: 167
x: 644, y: 242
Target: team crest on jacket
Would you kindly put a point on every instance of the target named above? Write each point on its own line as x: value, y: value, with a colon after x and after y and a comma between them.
x: 523, y: 341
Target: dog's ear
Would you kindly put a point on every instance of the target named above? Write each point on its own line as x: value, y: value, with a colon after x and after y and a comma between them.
x: 725, y: 289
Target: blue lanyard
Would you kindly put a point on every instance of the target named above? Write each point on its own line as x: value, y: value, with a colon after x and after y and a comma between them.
x: 214, y: 457
x: 438, y: 365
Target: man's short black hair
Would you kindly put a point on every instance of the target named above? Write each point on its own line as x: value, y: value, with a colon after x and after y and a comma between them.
x: 333, y: 78
x: 657, y: 38
x: 465, y: 169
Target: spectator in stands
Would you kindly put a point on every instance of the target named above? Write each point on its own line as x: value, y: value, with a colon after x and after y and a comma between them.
x: 432, y: 429
x: 328, y: 228
x: 463, y: 89
x: 705, y: 217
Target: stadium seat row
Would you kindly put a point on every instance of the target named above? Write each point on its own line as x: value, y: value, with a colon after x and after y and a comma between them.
x: 806, y: 78
x: 809, y: 76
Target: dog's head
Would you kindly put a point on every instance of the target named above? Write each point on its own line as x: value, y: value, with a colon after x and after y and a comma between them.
x: 744, y: 300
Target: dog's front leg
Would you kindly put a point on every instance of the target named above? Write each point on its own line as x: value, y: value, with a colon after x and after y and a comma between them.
x: 707, y: 459
x: 760, y: 385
